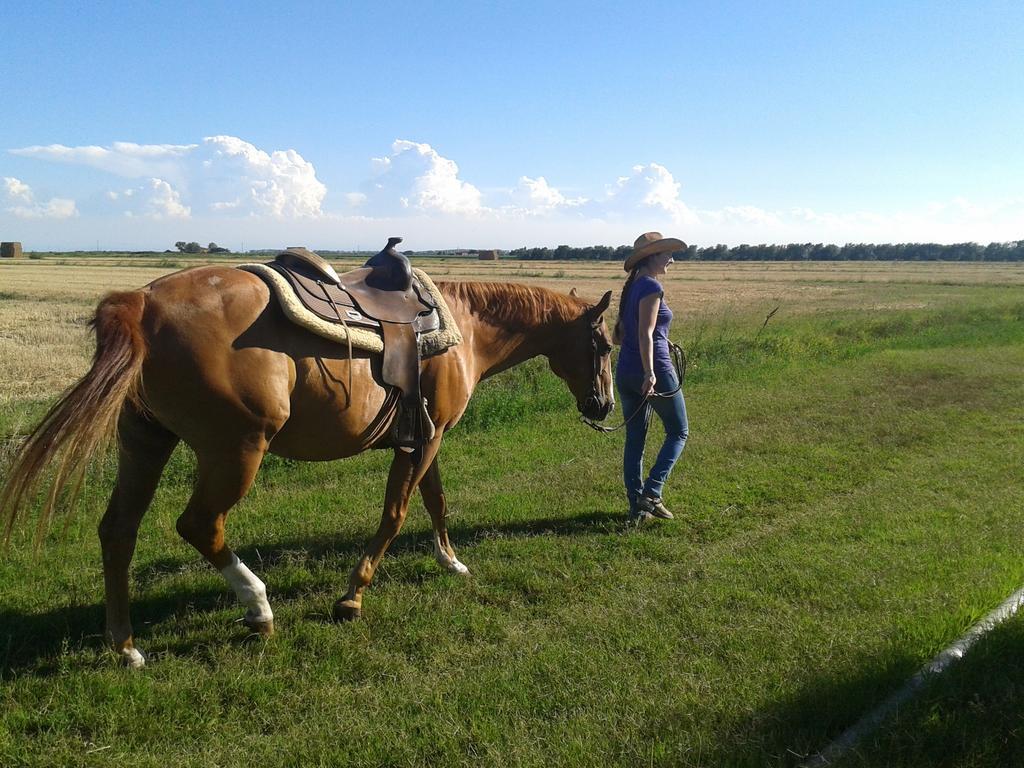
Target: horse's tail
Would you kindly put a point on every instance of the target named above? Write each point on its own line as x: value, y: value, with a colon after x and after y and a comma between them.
x: 81, y: 425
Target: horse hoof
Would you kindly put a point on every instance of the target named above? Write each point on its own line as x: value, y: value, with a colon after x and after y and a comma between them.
x: 261, y: 628
x: 346, y: 610
x: 132, y: 658
x: 456, y: 566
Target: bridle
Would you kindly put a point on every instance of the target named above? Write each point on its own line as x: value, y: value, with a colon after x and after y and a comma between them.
x: 600, y: 349
x: 678, y: 361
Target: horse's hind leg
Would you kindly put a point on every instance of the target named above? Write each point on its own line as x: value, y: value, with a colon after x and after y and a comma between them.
x: 224, y: 476
x: 437, y: 506
x: 144, y: 449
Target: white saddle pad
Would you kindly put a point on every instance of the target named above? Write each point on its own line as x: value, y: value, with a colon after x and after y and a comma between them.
x: 431, y: 343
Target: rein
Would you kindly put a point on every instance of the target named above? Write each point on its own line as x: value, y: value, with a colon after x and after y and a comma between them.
x: 678, y: 362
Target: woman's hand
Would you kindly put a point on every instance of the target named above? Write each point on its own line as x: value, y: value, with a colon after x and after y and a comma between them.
x: 648, y: 386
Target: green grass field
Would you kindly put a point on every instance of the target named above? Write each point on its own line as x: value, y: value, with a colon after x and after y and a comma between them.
x: 849, y: 503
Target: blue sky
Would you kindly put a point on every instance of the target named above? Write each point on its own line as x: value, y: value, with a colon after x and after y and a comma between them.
x: 507, y: 124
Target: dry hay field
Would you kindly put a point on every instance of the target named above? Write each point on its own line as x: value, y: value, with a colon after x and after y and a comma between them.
x: 46, y: 304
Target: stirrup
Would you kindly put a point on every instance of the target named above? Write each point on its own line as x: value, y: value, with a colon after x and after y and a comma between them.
x: 412, y: 427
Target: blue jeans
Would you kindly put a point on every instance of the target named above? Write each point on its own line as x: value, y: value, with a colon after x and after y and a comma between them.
x: 671, y: 411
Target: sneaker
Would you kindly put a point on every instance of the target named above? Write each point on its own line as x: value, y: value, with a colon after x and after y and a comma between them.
x: 655, y: 507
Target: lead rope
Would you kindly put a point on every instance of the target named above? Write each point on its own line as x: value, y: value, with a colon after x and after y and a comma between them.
x: 679, y: 362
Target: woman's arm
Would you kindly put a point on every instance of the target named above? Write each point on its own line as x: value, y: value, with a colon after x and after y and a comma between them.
x: 648, y: 318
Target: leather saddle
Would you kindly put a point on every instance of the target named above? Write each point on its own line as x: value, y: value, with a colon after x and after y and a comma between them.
x: 385, y: 296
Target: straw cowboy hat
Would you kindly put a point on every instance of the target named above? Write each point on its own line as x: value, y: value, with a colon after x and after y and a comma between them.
x: 650, y: 243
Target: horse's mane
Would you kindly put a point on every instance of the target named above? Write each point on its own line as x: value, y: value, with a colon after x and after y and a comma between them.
x: 513, y: 305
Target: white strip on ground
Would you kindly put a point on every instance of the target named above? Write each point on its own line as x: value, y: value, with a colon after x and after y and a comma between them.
x: 953, y: 653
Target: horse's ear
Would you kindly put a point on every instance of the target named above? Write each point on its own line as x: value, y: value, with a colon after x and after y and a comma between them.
x: 572, y: 291
x: 596, y: 312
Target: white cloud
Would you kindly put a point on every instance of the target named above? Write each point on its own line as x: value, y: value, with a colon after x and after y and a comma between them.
x: 154, y: 199
x: 237, y: 190
x: 537, y: 197
x: 649, y: 189
x: 165, y: 202
x: 741, y: 215
x: 17, y: 190
x: 416, y: 179
x: 751, y: 214
x: 950, y: 221
x: 241, y: 177
x: 121, y: 158
x: 25, y: 206
x: 222, y: 174
x: 55, y: 208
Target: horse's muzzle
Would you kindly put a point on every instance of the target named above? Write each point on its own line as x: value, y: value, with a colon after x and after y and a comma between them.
x: 597, y: 408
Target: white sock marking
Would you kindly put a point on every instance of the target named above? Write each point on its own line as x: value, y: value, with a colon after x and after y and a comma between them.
x: 251, y: 592
x: 133, y: 658
x: 448, y: 561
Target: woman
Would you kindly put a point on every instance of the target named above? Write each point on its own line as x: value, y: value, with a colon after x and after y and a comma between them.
x: 645, y: 367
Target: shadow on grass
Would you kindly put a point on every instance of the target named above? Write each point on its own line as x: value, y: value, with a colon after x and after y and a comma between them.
x: 789, y: 731
x: 29, y: 639
x: 969, y: 715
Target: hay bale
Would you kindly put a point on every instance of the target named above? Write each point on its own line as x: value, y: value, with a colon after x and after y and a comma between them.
x: 487, y: 255
x: 10, y: 250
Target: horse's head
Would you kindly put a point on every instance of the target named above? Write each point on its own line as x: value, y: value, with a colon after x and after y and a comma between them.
x: 583, y: 359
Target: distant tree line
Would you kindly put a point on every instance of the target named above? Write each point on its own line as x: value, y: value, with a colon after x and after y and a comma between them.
x: 184, y: 247
x: 1009, y: 251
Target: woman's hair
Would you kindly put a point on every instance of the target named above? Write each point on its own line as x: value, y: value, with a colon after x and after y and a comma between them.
x: 617, y: 332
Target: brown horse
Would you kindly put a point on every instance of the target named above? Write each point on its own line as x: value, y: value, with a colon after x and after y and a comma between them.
x: 206, y: 356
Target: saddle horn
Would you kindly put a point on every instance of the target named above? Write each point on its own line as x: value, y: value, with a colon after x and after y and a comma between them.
x: 391, y: 269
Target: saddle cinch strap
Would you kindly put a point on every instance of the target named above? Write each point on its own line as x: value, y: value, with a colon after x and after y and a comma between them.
x: 384, y: 296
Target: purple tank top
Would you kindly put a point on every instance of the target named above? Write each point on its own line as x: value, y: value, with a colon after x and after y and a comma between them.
x: 629, y: 355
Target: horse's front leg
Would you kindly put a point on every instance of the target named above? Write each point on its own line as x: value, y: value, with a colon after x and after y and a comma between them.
x: 403, y: 478
x: 437, y: 506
